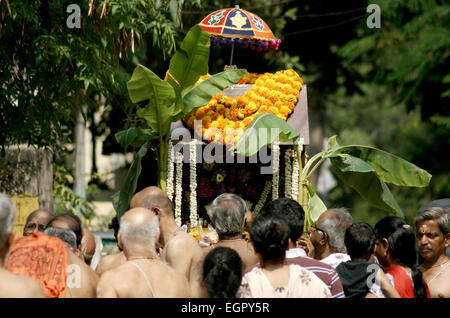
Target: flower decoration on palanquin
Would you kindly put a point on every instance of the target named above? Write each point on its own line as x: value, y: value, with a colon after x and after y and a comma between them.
x: 224, y: 118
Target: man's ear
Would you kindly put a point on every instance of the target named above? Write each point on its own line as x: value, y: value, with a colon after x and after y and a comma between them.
x: 157, y: 211
x: 447, y: 240
x: 324, y: 238
x: 119, y: 241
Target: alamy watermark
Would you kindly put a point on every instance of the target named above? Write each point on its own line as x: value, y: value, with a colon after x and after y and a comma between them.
x: 213, y: 152
x: 374, y: 19
x: 73, y: 279
x: 74, y: 19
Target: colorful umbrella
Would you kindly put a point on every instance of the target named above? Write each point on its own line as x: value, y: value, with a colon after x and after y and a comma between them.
x: 239, y: 25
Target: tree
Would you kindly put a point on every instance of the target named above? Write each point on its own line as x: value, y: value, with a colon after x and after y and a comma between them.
x: 50, y: 69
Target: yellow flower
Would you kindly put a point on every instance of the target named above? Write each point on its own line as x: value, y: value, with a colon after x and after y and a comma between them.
x: 200, y: 112
x: 206, y: 120
x: 190, y: 121
x: 219, y: 178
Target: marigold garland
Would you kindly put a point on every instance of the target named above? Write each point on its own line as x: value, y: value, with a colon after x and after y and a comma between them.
x: 271, y: 93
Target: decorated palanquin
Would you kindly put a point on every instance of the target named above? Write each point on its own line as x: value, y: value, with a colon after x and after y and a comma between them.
x: 194, y: 183
x: 194, y: 179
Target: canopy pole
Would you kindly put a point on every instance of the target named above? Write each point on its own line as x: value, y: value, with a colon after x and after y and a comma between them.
x: 232, y: 52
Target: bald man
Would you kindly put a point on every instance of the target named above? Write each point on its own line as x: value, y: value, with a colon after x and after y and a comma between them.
x: 180, y: 249
x: 111, y: 261
x: 143, y: 275
x: 37, y: 221
x: 12, y: 285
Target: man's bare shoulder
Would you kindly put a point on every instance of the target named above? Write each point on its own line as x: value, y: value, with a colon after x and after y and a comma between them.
x: 182, y: 241
x: 88, y: 277
x: 109, y: 262
x: 17, y: 286
x: 175, y: 284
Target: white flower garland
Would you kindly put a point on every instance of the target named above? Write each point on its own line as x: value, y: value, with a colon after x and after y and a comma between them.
x: 287, y: 174
x: 295, y: 175
x: 193, y: 217
x: 263, y: 198
x: 276, y: 170
x: 170, y: 171
x: 178, y: 187
x: 296, y: 170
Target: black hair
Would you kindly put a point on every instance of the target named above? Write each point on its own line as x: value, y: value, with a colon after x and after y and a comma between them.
x: 270, y: 236
x: 402, y: 245
x: 291, y: 211
x: 115, y: 226
x: 359, y: 239
x: 74, y: 224
x: 222, y: 272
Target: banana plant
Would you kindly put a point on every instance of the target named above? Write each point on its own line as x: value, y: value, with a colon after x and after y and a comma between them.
x: 163, y: 101
x: 365, y: 169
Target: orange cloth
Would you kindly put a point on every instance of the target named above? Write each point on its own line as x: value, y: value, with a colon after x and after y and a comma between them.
x: 43, y: 258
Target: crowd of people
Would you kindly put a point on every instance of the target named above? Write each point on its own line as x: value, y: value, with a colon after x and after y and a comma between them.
x: 336, y: 258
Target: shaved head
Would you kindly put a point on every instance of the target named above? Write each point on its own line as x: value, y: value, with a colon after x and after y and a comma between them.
x: 152, y: 197
x: 37, y: 221
x: 139, y: 228
x: 39, y: 214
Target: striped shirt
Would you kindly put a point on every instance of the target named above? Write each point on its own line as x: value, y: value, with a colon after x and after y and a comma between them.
x: 325, y: 272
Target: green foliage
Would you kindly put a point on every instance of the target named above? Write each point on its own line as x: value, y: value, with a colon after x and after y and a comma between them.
x: 160, y: 99
x: 366, y: 170
x: 121, y: 200
x: 263, y: 130
x: 189, y: 62
x: 48, y: 70
x: 410, y: 53
x: 65, y: 199
x: 159, y: 95
x: 200, y: 95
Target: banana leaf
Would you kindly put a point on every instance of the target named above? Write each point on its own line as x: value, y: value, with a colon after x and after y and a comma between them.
x: 126, y: 137
x: 315, y: 205
x: 263, y: 130
x: 201, y: 94
x: 189, y: 62
x: 145, y: 85
x: 363, y: 178
x: 388, y: 167
x: 135, y: 137
x: 121, y: 200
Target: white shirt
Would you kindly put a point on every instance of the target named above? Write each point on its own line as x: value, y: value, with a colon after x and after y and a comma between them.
x: 296, y: 252
x: 335, y: 259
